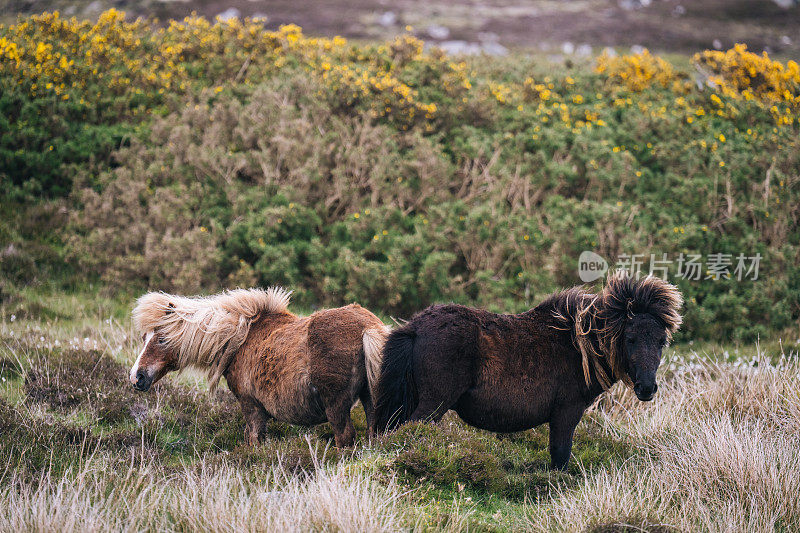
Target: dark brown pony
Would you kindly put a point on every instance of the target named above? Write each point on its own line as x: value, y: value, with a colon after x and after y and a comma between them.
x: 301, y: 370
x: 514, y: 372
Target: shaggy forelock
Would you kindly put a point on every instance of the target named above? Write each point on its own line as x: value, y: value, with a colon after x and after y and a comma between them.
x: 206, y: 331
x: 624, y: 296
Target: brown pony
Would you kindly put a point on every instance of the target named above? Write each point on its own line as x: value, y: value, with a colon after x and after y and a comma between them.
x: 514, y: 372
x: 301, y: 370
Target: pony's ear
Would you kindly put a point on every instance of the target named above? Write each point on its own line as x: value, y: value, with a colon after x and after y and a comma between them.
x: 150, y: 310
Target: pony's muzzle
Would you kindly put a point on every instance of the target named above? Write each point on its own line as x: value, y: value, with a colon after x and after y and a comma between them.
x: 143, y: 381
x: 645, y: 392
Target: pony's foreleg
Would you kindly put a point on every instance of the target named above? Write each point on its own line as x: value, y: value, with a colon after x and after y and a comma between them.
x: 562, y: 428
x: 256, y: 418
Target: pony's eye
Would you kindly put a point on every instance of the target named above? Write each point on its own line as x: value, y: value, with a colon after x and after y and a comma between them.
x: 631, y: 340
x: 161, y: 341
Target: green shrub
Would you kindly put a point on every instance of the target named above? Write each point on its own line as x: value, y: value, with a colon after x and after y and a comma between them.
x: 390, y: 175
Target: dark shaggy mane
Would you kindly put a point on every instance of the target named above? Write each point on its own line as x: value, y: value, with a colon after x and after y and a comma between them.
x: 597, y: 321
x: 565, y: 303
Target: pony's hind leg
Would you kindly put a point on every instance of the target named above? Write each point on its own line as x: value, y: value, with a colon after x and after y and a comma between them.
x: 256, y: 418
x: 441, y: 378
x: 337, y: 410
x: 369, y: 412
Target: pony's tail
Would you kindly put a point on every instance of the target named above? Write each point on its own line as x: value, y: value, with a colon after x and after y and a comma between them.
x: 374, y: 339
x: 396, y: 396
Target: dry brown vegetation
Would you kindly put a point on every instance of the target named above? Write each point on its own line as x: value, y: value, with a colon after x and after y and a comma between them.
x: 144, y: 497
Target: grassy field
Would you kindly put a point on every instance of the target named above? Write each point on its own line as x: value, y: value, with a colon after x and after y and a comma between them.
x: 717, y: 450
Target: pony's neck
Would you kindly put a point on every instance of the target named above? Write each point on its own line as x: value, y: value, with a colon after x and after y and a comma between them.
x: 270, y: 321
x: 263, y: 326
x: 596, y: 387
x: 597, y: 356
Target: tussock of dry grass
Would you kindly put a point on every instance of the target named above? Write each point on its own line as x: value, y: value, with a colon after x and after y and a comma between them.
x: 719, y: 451
x: 92, y: 498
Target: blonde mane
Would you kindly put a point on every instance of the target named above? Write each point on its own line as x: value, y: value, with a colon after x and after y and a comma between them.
x: 206, y: 332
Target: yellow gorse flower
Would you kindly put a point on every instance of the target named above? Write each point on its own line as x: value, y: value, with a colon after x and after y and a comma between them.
x: 639, y: 71
x: 737, y: 73
x: 139, y: 61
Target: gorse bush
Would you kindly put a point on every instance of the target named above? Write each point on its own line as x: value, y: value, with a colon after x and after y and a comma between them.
x: 73, y: 90
x: 219, y: 154
x: 640, y: 71
x: 741, y: 73
x: 246, y: 193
